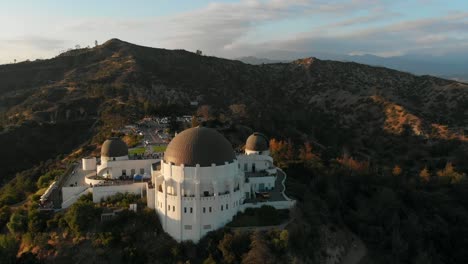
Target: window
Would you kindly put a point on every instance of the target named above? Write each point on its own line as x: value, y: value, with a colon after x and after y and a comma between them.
x: 185, y: 209
x: 173, y: 208
x: 210, y: 209
x: 142, y: 171
x: 188, y: 227
x: 221, y: 207
x: 204, y: 210
x: 206, y: 226
x: 168, y: 207
x: 227, y: 207
x: 191, y: 210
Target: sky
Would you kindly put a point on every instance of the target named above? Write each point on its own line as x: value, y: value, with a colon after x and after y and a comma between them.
x: 40, y: 29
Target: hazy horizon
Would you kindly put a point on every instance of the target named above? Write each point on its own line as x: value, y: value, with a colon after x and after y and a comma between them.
x: 231, y: 29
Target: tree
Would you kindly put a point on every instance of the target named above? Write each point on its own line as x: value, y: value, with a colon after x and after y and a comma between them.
x: 425, y: 175
x: 147, y: 107
x: 233, y: 246
x: 174, y: 126
x: 225, y: 246
x: 205, y: 111
x: 396, y: 171
x: 310, y: 159
x: 449, y: 173
x: 47, y: 178
x: 81, y: 215
x: 5, y: 213
x: 95, y: 43
x: 17, y: 223
x: 281, y: 151
x: 209, y: 260
x: 36, y: 221
x: 239, y: 110
x: 195, y: 121
x: 8, y: 249
x: 354, y: 164
x: 199, y: 52
x: 259, y: 251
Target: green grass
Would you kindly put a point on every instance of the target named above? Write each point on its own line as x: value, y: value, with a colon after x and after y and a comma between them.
x: 159, y: 148
x: 136, y: 151
x: 264, y: 216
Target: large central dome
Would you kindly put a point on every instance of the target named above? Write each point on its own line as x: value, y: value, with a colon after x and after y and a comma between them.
x: 199, y: 145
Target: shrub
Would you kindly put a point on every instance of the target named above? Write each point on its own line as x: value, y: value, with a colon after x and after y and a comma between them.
x: 45, y: 180
x: 8, y: 249
x: 82, y: 216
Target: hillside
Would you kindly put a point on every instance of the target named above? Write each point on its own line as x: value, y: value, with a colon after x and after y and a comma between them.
x: 385, y: 168
x: 368, y: 111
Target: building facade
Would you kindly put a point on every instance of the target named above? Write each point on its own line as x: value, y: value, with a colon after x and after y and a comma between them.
x: 201, y: 184
x: 198, y: 186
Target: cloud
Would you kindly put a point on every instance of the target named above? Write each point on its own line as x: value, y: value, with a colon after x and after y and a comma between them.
x: 35, y: 42
x: 434, y: 36
x: 231, y: 30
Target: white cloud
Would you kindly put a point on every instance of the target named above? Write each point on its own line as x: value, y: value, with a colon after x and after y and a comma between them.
x: 221, y: 29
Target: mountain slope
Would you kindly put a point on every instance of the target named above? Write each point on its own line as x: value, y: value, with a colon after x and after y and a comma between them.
x: 366, y: 109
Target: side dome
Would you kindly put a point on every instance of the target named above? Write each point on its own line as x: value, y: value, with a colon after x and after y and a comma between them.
x: 114, y: 147
x: 257, y: 142
x: 199, y: 145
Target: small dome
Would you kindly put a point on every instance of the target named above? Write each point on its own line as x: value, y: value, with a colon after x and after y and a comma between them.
x: 114, y: 147
x: 199, y: 145
x: 257, y: 142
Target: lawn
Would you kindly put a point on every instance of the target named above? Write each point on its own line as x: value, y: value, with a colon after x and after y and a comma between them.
x: 159, y: 148
x: 137, y: 151
x: 263, y: 216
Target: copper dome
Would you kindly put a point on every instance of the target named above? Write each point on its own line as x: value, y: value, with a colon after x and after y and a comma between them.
x: 199, y: 145
x: 114, y: 147
x: 257, y: 142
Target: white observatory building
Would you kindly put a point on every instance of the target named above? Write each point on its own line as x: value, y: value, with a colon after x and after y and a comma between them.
x: 201, y: 184
x: 198, y: 186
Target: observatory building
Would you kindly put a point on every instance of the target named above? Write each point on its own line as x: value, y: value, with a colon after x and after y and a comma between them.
x: 115, y: 164
x: 201, y: 184
x: 198, y: 185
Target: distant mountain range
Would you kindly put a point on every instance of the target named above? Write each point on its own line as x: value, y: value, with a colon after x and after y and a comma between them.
x: 450, y: 67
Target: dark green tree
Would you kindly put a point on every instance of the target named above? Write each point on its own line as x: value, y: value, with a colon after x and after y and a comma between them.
x: 17, y: 223
x: 8, y: 249
x: 81, y: 216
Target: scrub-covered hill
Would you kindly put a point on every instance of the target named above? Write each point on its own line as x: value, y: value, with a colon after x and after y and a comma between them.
x: 370, y: 111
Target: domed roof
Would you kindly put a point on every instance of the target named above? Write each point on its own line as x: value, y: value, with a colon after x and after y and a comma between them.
x: 114, y: 147
x: 257, y: 142
x: 199, y: 145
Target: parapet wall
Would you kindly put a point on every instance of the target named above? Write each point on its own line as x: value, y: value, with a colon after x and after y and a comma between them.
x: 102, y: 192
